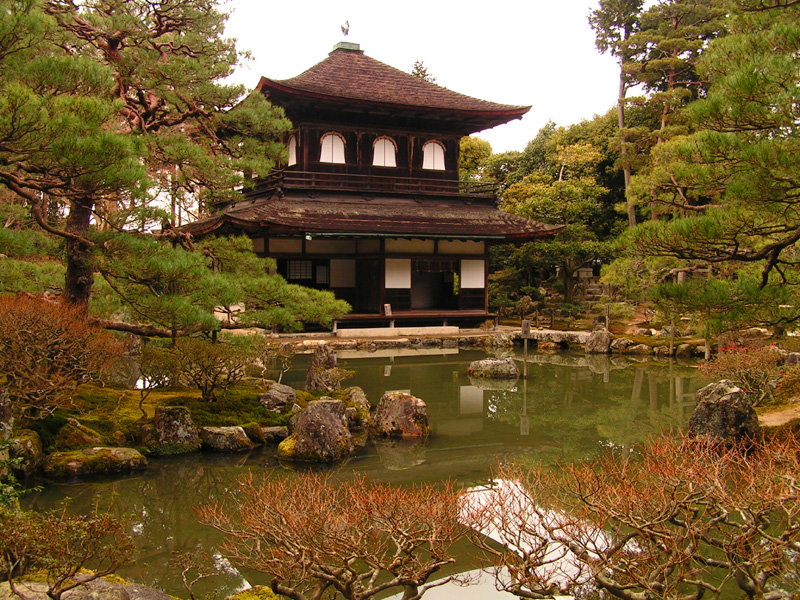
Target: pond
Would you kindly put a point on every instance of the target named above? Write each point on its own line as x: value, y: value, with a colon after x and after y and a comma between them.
x: 568, y: 408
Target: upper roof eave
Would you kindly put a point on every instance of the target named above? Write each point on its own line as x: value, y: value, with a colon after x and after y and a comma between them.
x: 510, y: 113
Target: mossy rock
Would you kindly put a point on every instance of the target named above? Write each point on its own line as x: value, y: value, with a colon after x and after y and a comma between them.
x: 321, y: 434
x: 73, y: 436
x: 94, y: 461
x: 26, y: 450
x: 259, y: 592
x: 226, y: 439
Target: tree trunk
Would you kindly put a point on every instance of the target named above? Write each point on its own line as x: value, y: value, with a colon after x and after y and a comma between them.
x: 623, y: 148
x: 567, y: 286
x: 80, y: 276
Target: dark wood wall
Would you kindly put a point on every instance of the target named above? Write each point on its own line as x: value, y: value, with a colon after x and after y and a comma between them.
x: 359, y: 147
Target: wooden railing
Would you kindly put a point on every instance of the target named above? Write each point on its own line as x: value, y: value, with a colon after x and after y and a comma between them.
x: 367, y: 183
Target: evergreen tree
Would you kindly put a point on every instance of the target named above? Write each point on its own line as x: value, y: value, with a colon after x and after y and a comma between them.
x: 614, y: 22
x: 731, y: 187
x: 104, y: 104
x: 564, y: 190
x: 661, y: 56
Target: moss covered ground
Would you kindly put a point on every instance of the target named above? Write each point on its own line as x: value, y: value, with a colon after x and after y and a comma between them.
x: 108, y: 410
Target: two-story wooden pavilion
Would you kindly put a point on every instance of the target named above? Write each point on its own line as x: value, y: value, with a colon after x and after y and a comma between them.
x: 370, y: 204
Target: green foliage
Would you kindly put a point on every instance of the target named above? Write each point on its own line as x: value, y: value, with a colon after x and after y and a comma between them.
x: 183, y: 291
x: 106, y: 106
x: 270, y: 302
x: 34, y: 277
x: 730, y: 185
x: 473, y: 154
x: 564, y: 168
x: 418, y: 69
x: 238, y: 407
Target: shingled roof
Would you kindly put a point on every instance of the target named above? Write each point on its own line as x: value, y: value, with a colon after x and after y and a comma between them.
x: 349, y: 75
x: 378, y: 217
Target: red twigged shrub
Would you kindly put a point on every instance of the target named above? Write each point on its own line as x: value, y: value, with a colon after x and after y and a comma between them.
x: 48, y: 349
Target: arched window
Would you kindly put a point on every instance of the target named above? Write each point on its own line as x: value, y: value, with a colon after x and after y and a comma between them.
x: 332, y: 149
x: 433, y: 156
x: 292, y: 151
x: 383, y: 153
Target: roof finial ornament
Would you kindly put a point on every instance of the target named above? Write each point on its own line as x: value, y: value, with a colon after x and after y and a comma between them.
x: 346, y: 28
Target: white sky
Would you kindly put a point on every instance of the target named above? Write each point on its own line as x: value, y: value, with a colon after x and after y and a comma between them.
x: 537, y: 52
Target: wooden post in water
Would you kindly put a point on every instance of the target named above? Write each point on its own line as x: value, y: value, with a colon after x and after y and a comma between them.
x: 526, y: 334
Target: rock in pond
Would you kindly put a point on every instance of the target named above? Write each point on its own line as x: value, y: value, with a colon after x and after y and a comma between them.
x: 278, y: 397
x: 725, y: 412
x: 323, y: 366
x: 356, y: 408
x: 174, y: 431
x: 93, y: 461
x: 226, y: 439
x: 400, y: 414
x: 619, y: 344
x: 26, y: 450
x: 320, y: 434
x: 498, y: 368
x: 266, y: 435
x: 599, y: 342
x: 638, y: 349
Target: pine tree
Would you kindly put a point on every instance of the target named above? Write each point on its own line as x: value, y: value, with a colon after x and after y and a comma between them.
x: 105, y: 104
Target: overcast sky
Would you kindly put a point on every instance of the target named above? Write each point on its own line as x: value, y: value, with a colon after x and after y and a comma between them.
x: 525, y: 52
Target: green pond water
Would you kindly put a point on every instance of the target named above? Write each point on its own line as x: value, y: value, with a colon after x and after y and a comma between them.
x: 568, y: 408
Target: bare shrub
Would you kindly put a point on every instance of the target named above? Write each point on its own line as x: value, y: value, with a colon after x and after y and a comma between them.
x: 356, y: 538
x: 213, y: 366
x: 159, y: 367
x: 269, y: 352
x: 46, y: 351
x: 680, y: 520
x: 61, y: 546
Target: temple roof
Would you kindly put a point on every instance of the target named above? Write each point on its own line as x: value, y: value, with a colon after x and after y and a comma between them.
x: 350, y: 77
x: 335, y: 215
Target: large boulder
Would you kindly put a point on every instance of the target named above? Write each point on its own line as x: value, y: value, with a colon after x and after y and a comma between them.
x: 792, y: 359
x: 318, y: 375
x: 93, y: 461
x: 278, y: 397
x: 725, y: 412
x: 400, y: 414
x: 638, y: 349
x: 174, y: 432
x: 356, y: 408
x: 226, y: 439
x: 26, y: 450
x: 497, y: 368
x: 74, y: 436
x: 266, y: 435
x: 599, y: 342
x: 320, y: 434
x: 620, y: 344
